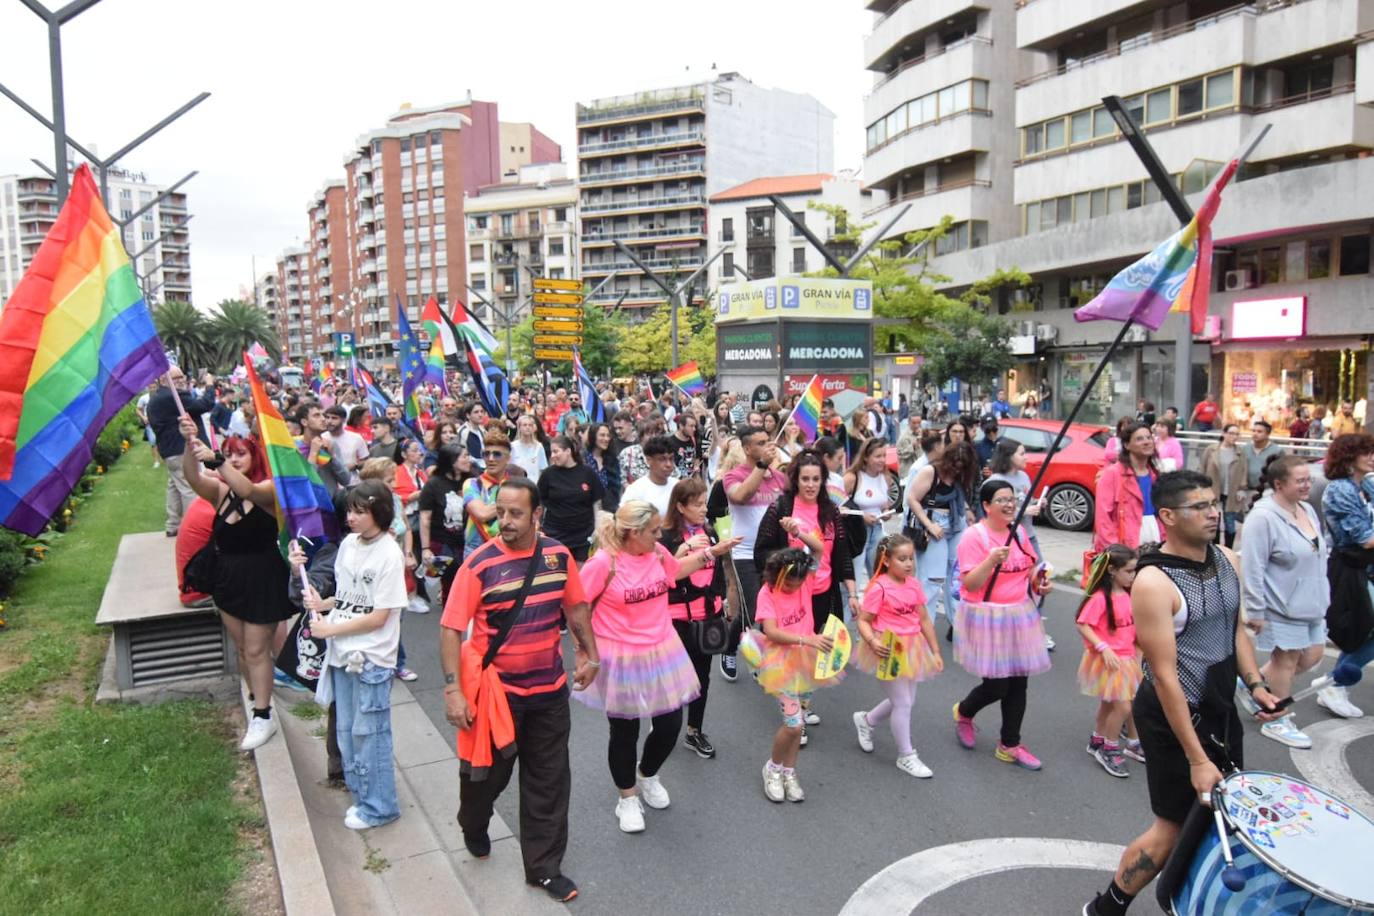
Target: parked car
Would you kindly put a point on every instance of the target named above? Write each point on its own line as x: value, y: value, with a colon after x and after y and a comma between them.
x: 1072, y: 476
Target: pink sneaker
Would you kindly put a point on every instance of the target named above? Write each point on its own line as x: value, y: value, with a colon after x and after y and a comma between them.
x: 1019, y: 756
x: 964, y: 729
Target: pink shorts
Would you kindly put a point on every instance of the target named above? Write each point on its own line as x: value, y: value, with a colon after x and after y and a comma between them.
x: 791, y: 705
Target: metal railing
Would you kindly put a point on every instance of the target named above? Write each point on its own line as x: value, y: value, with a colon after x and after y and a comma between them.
x: 609, y: 175
x: 615, y: 113
x: 930, y: 192
x: 643, y: 203
x: 623, y: 234
x: 645, y: 141
x: 605, y: 267
x: 1195, y: 443
x: 917, y: 61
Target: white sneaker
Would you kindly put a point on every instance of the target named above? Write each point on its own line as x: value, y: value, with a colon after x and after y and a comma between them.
x: 811, y: 718
x: 1336, y: 701
x: 351, y: 812
x: 912, y: 765
x: 353, y: 822
x: 1049, y: 643
x: 418, y: 605
x: 791, y: 787
x: 652, y: 791
x: 772, y: 784
x: 1285, y: 732
x: 864, y: 731
x: 260, y: 731
x: 630, y: 813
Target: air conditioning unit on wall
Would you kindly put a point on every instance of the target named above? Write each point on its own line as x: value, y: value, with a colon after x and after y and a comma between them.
x: 1136, y: 334
x: 1046, y: 333
x: 1240, y: 279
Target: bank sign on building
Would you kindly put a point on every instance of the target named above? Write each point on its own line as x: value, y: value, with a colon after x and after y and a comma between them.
x: 781, y: 331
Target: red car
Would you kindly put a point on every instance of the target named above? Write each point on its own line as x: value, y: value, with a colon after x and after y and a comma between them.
x: 1072, y: 477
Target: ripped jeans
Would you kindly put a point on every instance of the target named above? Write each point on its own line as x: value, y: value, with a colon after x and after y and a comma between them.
x: 363, y: 704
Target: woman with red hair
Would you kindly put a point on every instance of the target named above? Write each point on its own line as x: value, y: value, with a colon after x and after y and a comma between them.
x: 250, y: 574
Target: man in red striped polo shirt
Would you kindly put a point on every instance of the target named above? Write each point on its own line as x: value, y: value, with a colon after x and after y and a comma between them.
x: 523, y: 715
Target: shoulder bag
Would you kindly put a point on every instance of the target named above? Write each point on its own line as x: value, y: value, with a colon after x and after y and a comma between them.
x: 710, y: 634
x: 506, y: 622
x: 198, y: 575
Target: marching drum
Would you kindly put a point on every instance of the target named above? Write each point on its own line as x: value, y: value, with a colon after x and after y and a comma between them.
x: 1300, y: 851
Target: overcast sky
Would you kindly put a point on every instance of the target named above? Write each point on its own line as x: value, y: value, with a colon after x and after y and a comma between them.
x: 295, y: 82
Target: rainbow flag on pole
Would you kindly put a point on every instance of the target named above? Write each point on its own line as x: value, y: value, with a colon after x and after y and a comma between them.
x: 77, y: 343
x: 807, y: 413
x: 1175, y: 277
x: 303, y: 503
x: 688, y: 378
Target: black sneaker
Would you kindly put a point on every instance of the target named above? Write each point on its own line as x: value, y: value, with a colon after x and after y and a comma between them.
x: 803, y: 737
x: 698, y: 742
x: 558, y: 887
x: 728, y: 668
x: 479, y: 844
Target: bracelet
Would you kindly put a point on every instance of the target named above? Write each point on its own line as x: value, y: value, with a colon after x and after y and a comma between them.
x: 1201, y: 764
x: 1099, y: 646
x: 1257, y: 685
x: 593, y: 664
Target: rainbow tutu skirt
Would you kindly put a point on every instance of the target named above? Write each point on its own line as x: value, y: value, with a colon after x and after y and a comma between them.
x: 637, y: 681
x: 920, y: 660
x: 1000, y: 640
x: 1095, y: 679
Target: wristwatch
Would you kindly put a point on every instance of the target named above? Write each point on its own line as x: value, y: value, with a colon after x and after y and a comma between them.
x: 1256, y: 685
x: 761, y: 465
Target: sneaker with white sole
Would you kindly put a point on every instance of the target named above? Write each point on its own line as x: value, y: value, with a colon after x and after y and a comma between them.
x: 1285, y: 732
x: 406, y: 674
x: 912, y: 765
x: 352, y: 811
x: 353, y: 822
x: 1109, y: 758
x: 728, y: 668
x: 864, y: 731
x: 1336, y: 701
x: 1049, y: 643
x: 630, y: 813
x: 1133, y: 750
x: 773, y: 788
x: 652, y: 791
x: 791, y: 787
x: 811, y: 718
x: 418, y: 605
x: 804, y: 738
x: 260, y: 731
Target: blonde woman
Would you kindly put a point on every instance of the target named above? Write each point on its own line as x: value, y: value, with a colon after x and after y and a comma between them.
x: 645, y: 670
x: 793, y: 443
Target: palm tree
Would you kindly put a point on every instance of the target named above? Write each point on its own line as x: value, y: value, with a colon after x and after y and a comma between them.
x: 183, y: 329
x: 234, y: 328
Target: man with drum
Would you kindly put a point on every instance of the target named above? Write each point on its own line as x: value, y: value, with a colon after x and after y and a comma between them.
x: 1186, y: 604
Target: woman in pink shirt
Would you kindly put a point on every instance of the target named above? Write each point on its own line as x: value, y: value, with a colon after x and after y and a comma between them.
x: 998, y: 635
x: 645, y: 670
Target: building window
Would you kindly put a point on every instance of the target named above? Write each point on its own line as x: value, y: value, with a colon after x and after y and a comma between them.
x: 556, y: 273
x: 477, y: 252
x: 1271, y: 265
x: 968, y: 95
x: 507, y: 223
x: 727, y: 230
x: 798, y: 260
x: 479, y: 222
x: 405, y: 144
x: 479, y: 281
x: 727, y: 266
x: 1355, y: 255
x: 555, y: 247
x: 796, y: 229
x: 1318, y: 259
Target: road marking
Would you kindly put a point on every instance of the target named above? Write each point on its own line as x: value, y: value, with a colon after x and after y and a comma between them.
x: 1324, y: 765
x: 907, y: 883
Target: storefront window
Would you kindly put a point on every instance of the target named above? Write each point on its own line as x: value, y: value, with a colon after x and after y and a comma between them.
x: 1318, y: 259
x: 1273, y: 384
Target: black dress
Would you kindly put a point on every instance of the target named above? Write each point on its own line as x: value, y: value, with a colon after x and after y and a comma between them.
x: 250, y: 575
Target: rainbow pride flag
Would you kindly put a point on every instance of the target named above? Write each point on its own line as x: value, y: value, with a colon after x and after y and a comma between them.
x: 807, y: 413
x: 688, y: 378
x: 77, y: 343
x: 1175, y: 277
x: 303, y: 503
x: 322, y: 375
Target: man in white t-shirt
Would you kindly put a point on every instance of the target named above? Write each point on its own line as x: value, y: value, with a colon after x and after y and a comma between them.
x: 657, y: 487
x: 350, y: 448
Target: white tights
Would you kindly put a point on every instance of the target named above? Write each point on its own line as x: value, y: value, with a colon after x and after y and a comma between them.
x: 896, y: 709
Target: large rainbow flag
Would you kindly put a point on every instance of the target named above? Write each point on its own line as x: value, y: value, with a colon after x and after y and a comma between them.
x: 807, y: 413
x: 303, y: 503
x: 77, y: 343
x: 688, y: 378
x: 1175, y: 277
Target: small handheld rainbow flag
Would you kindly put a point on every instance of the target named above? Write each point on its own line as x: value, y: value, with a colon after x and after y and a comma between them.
x: 303, y: 504
x: 687, y: 377
x: 807, y: 413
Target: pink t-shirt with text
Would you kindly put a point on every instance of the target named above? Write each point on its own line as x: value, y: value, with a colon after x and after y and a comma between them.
x: 701, y: 579
x: 1094, y: 614
x: 790, y: 610
x: 895, y: 605
x: 809, y: 516
x: 633, y: 607
x: 1013, y: 581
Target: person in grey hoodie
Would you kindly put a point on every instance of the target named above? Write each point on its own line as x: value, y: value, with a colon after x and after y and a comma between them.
x: 1286, y: 593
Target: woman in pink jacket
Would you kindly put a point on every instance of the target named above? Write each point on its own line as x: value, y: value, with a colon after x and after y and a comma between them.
x: 1125, y: 513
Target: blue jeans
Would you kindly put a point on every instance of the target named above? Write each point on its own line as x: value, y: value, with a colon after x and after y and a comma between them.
x: 875, y: 536
x: 363, y: 702
x: 938, y: 566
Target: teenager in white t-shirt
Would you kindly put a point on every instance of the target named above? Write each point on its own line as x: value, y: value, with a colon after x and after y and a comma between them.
x: 656, y: 487
x: 363, y: 631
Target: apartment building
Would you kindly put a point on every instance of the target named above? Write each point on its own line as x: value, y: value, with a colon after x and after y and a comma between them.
x: 1293, y: 298
x: 649, y: 161
x: 760, y: 243
x: 158, y: 242
x: 525, y: 226
x: 267, y: 298
x: 940, y: 128
x: 296, y: 327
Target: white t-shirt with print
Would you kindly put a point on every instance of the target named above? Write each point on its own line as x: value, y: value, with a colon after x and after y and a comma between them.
x: 644, y: 488
x: 368, y: 577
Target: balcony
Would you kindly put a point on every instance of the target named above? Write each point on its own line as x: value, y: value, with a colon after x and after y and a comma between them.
x: 367, y: 242
x: 905, y: 20
x: 644, y: 142
x: 623, y: 176
x: 591, y: 237
x: 366, y: 216
x: 1040, y: 23
x: 963, y: 200
x: 644, y: 203
x: 655, y: 264
x: 961, y: 132
x: 519, y: 230
x: 973, y: 57
x: 638, y: 109
x: 368, y: 266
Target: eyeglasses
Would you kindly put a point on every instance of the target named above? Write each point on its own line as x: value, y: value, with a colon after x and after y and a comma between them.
x: 496, y: 453
x: 1004, y: 501
x: 1205, y: 506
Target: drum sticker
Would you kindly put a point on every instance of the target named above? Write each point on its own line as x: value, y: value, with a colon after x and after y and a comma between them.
x: 1311, y: 831
x: 1261, y: 838
x: 1338, y: 809
x: 1242, y: 781
x: 1290, y: 830
x: 1255, y: 791
x: 1284, y: 811
x: 1244, y: 817
x: 1293, y: 802
x: 1305, y: 793
x: 1268, y: 814
x: 1247, y: 801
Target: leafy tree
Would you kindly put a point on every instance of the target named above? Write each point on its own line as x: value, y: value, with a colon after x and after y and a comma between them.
x: 184, y: 331
x: 235, y: 327
x: 600, y: 336
x: 647, y: 347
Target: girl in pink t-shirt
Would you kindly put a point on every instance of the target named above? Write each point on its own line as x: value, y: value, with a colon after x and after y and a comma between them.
x: 788, y: 663
x: 1110, y: 669
x: 894, y: 603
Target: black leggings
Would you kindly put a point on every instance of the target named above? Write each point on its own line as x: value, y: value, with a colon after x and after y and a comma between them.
x: 1011, y: 693
x: 624, y: 746
x: 696, y: 710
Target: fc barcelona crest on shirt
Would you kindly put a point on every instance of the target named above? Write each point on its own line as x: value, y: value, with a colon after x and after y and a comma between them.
x: 553, y: 561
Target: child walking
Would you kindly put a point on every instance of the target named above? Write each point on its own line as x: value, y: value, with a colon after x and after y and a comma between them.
x: 363, y: 631
x: 1110, y: 669
x: 788, y: 664
x: 898, y: 645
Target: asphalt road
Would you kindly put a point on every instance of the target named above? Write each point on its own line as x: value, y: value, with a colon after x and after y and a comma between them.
x: 723, y: 848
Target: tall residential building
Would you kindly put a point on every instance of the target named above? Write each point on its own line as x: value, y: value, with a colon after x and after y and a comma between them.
x: 525, y: 225
x: 940, y: 120
x: 266, y: 297
x: 28, y: 209
x: 293, y: 302
x: 1293, y: 298
x: 326, y: 281
x: 761, y: 243
x: 648, y: 162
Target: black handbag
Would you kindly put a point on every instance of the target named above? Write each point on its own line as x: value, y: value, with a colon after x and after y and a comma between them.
x: 913, y: 529
x: 199, y: 573
x: 709, y: 635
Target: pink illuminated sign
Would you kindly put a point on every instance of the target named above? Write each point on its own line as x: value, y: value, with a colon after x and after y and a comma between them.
x: 1268, y: 319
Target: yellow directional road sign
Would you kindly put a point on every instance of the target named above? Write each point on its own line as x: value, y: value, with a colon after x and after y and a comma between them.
x: 567, y: 286
x: 554, y: 311
x: 548, y: 340
x: 557, y: 326
x: 553, y: 354
x: 558, y: 298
